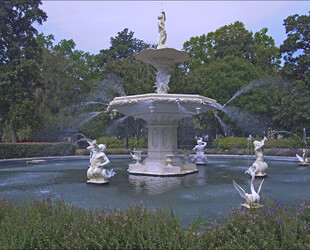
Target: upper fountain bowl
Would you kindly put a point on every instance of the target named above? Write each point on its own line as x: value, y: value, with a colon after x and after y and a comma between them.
x: 172, y: 106
x: 151, y: 56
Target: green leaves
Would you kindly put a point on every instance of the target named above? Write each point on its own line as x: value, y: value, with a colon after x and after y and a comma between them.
x: 233, y: 40
x: 124, y: 45
x: 19, y: 57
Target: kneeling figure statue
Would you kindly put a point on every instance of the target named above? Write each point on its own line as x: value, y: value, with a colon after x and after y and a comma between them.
x: 98, y: 159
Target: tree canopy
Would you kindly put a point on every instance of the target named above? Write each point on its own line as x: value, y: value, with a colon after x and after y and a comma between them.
x: 20, y: 56
x: 233, y: 40
x: 293, y: 105
x: 42, y: 81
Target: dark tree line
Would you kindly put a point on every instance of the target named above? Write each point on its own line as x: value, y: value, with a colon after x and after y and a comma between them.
x: 46, y: 87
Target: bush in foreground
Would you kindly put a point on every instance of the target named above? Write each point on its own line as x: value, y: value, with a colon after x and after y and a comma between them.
x: 55, y: 225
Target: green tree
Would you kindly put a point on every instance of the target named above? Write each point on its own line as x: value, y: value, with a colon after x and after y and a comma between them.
x: 124, y: 45
x: 136, y: 77
x: 233, y: 60
x: 20, y: 56
x: 233, y: 40
x: 69, y: 77
x: 224, y: 78
x: 292, y: 109
x: 296, y: 48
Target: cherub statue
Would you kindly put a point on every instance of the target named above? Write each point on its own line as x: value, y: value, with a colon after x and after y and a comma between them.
x: 303, y: 161
x: 252, y: 199
x: 259, y: 165
x: 162, y: 30
x: 200, y: 157
x: 98, y: 159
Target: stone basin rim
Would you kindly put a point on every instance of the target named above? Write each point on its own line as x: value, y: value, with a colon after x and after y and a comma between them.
x: 164, y: 97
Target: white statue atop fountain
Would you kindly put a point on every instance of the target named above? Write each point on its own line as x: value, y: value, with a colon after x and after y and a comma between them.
x: 303, y: 161
x: 98, y: 159
x: 200, y: 157
x: 259, y: 165
x: 252, y: 199
x: 162, y: 31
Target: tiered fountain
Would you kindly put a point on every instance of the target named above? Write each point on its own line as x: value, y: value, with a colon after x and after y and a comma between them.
x: 162, y: 111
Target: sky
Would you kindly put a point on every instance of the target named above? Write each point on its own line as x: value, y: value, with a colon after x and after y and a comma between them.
x: 91, y: 24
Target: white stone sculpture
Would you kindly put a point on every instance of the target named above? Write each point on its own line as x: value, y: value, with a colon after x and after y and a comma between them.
x: 162, y: 80
x: 303, y: 161
x: 136, y: 155
x: 259, y: 165
x: 98, y: 159
x: 162, y: 30
x: 252, y: 199
x: 200, y: 157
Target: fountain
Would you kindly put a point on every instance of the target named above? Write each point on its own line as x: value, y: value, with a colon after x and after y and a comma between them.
x: 162, y: 111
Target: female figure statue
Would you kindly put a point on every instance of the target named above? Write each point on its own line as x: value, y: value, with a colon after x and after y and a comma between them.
x: 162, y: 30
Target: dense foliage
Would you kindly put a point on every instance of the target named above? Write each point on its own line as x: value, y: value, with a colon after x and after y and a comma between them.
x: 56, y: 225
x: 47, y: 87
x: 20, y: 55
x: 292, y: 107
x: 242, y: 142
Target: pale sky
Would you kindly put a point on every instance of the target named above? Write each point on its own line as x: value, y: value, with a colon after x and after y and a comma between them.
x: 91, y: 24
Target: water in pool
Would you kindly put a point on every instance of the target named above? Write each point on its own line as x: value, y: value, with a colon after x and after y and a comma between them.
x: 209, y: 192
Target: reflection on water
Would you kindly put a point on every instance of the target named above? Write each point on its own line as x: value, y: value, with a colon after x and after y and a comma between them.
x: 206, y: 192
x: 153, y: 184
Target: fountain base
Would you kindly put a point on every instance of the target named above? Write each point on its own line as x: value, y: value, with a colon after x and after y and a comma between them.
x: 157, y: 167
x: 303, y: 164
x: 260, y: 174
x: 97, y: 181
x: 201, y: 162
x: 254, y: 205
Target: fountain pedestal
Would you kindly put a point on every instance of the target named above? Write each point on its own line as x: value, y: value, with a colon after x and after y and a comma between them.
x: 162, y: 153
x: 162, y: 113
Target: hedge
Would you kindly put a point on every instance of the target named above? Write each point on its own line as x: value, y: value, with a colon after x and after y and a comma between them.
x: 241, y: 142
x: 26, y: 150
x: 112, y: 142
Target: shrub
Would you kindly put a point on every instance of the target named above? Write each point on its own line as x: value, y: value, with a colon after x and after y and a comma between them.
x: 291, y: 142
x: 29, y: 149
x: 47, y: 224
x: 241, y: 142
x: 230, y: 142
x: 112, y: 142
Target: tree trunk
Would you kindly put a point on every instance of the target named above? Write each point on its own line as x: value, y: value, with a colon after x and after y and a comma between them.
x: 14, y: 136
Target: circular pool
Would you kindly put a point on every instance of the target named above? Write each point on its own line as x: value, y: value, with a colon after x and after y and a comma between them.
x: 209, y: 192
